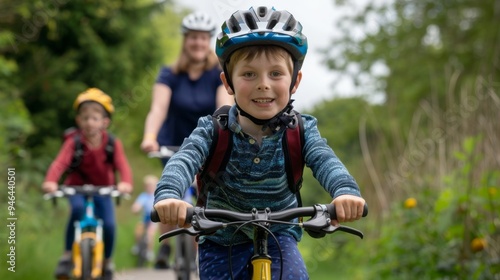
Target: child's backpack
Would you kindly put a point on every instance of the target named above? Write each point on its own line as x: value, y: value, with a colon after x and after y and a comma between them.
x: 78, y: 153
x: 221, y: 147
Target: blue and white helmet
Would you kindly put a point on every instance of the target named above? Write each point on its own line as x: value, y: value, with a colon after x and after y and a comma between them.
x: 262, y: 26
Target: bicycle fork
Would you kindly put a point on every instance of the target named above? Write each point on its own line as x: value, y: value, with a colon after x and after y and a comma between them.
x: 261, y: 260
x: 97, y: 251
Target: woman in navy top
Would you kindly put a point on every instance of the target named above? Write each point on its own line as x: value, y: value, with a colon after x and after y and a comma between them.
x: 183, y: 92
x: 187, y: 90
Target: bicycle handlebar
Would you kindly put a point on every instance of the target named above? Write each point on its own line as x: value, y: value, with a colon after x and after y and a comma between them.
x: 164, y: 152
x: 319, y: 224
x: 86, y: 190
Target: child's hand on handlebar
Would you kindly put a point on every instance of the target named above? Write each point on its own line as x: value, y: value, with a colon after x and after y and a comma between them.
x: 172, y: 211
x: 349, y: 208
x: 49, y: 187
x: 124, y: 187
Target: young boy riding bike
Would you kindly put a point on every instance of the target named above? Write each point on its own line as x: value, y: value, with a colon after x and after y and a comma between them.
x: 143, y: 204
x: 94, y: 109
x: 261, y: 51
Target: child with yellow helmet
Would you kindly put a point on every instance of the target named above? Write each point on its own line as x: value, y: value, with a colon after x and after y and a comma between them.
x: 94, y: 109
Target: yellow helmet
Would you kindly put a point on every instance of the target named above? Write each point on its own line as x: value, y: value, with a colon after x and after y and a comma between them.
x: 96, y: 95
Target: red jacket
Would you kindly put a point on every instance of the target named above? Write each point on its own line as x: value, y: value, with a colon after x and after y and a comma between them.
x: 94, y: 166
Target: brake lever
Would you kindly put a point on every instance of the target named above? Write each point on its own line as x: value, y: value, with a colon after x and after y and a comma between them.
x: 319, y: 225
x: 172, y: 233
x: 353, y: 231
x: 203, y: 225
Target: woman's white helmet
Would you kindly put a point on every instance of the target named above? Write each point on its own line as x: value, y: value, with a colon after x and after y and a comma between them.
x: 198, y: 21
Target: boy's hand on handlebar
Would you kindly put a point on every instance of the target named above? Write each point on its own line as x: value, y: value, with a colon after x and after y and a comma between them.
x: 124, y: 187
x: 349, y: 208
x: 172, y: 211
x: 49, y: 187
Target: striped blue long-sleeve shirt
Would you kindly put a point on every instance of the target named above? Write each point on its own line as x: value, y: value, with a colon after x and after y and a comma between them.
x: 255, y: 174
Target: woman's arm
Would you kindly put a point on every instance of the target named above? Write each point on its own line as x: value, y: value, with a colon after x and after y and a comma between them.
x: 156, y: 116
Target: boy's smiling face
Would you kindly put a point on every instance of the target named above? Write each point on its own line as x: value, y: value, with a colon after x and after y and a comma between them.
x: 262, y: 83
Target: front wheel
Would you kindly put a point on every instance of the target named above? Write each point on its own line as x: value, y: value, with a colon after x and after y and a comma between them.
x: 87, y: 246
x: 142, y: 257
x: 184, y: 258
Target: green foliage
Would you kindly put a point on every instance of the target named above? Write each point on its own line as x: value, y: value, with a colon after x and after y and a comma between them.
x: 14, y: 129
x: 422, y: 47
x: 434, y: 239
x: 66, y: 46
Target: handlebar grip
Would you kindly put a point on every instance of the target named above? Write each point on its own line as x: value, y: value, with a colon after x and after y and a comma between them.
x: 333, y: 212
x: 154, y: 216
x: 189, y: 214
x: 156, y: 219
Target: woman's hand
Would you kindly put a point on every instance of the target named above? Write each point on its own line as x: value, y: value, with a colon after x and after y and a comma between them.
x: 149, y: 145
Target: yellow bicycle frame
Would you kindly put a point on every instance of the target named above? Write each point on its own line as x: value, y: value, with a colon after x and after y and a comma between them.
x: 97, y: 254
x: 261, y: 269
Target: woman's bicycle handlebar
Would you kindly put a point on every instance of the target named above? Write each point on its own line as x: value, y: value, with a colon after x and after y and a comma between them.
x: 164, y: 152
x: 318, y: 226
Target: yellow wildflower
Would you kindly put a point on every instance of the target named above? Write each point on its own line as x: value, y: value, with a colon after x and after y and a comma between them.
x: 478, y: 244
x: 410, y: 203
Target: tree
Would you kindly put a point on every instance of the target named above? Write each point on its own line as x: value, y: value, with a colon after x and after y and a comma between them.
x: 64, y: 47
x: 423, y: 48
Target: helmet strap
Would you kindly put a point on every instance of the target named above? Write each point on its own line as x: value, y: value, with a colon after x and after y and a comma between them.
x: 294, y: 74
x: 283, y: 118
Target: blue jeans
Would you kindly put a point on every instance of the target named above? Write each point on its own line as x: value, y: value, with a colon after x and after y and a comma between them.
x: 104, y: 209
x: 214, y: 260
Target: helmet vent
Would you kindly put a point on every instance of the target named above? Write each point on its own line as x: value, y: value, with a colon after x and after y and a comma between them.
x: 233, y: 25
x: 262, y: 11
x: 290, y: 24
x: 275, y: 17
x: 250, y: 21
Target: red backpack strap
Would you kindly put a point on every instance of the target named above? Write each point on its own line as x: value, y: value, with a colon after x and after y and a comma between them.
x: 218, y: 156
x: 293, y: 144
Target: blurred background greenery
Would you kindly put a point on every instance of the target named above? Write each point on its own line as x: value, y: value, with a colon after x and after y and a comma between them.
x: 427, y: 158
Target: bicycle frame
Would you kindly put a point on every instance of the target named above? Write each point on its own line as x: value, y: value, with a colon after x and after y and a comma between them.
x: 88, y: 228
x: 88, y: 245
x: 142, y: 246
x: 318, y: 226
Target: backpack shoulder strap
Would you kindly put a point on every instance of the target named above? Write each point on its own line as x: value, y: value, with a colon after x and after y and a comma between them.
x: 110, y: 148
x: 293, y: 144
x: 77, y: 153
x: 219, y: 153
x: 77, y: 157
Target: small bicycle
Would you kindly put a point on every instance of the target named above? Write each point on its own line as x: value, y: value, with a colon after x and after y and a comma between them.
x: 317, y: 226
x: 88, y: 246
x: 142, y: 248
x: 185, y: 250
